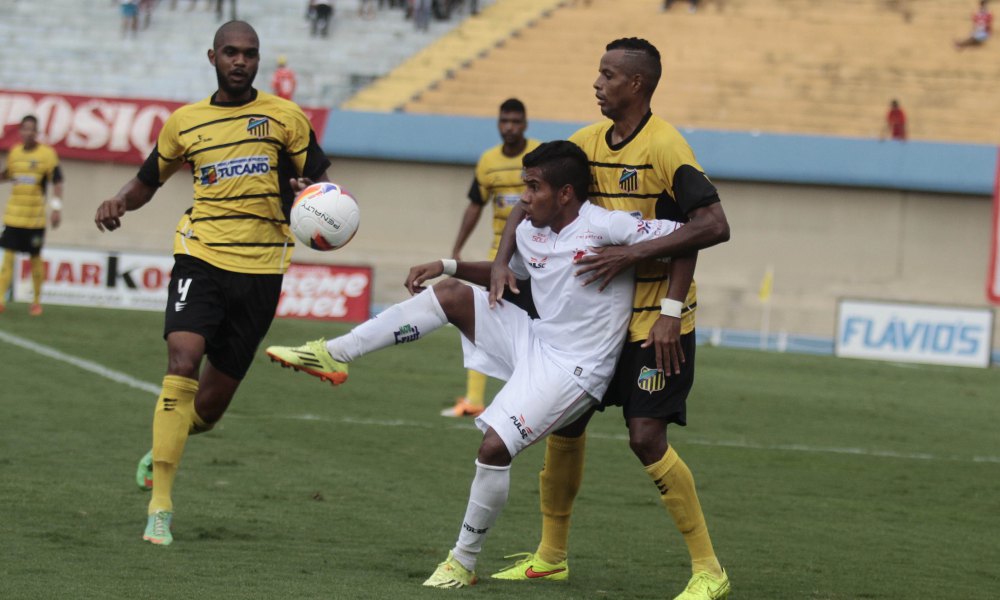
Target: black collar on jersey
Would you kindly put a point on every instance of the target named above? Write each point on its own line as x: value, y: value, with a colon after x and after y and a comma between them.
x: 253, y: 96
x: 623, y: 143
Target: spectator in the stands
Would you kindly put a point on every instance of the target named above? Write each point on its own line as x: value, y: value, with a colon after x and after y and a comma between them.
x: 130, y: 17
x: 982, y: 27
x: 895, y: 123
x: 321, y: 12
x: 283, y: 80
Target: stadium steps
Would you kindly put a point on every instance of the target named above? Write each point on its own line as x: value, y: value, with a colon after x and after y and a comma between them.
x: 804, y: 66
x: 69, y: 46
x: 494, y: 27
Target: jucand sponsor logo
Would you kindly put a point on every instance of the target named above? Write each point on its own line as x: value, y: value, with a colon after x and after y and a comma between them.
x: 237, y: 167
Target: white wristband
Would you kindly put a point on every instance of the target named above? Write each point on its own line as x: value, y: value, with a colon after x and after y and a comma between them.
x: 449, y: 265
x: 55, y: 203
x: 671, y: 308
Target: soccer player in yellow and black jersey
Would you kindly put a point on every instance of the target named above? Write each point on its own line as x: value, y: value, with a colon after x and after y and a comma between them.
x: 250, y: 152
x: 498, y: 183
x: 641, y: 164
x: 31, y: 166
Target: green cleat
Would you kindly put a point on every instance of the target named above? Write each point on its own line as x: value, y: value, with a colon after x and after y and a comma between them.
x: 158, y: 528
x: 532, y: 567
x: 311, y: 358
x: 451, y: 575
x: 705, y: 586
x: 144, y: 472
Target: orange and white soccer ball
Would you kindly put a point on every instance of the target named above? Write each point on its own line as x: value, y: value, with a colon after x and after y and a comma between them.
x: 325, y: 216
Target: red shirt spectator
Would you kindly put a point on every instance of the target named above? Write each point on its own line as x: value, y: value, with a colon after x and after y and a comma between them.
x: 283, y: 81
x: 895, y: 121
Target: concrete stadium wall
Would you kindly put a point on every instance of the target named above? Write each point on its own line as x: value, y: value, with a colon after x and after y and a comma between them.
x: 824, y: 242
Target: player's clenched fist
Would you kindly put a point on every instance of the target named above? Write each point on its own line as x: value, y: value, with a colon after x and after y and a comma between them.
x: 109, y: 214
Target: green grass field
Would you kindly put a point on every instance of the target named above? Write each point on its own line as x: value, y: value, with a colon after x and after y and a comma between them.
x: 820, y: 478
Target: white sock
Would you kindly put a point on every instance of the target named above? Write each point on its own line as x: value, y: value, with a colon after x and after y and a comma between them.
x: 486, y: 500
x: 404, y: 322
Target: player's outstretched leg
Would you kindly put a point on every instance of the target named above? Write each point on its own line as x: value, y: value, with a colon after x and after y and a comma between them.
x: 401, y: 323
x: 144, y: 472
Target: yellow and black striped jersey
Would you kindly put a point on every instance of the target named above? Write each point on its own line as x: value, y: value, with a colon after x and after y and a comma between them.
x: 498, y: 182
x: 31, y: 171
x: 242, y: 156
x: 653, y: 174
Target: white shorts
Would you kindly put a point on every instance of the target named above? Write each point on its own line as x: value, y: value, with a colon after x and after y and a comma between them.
x: 539, y: 397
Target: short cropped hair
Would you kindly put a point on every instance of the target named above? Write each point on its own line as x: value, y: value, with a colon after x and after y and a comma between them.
x: 561, y: 162
x: 645, y: 59
x: 513, y: 105
x: 30, y: 119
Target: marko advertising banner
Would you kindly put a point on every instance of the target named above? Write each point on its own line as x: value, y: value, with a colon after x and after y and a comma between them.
x: 138, y: 281
x: 94, y: 128
x: 916, y: 333
x: 98, y: 278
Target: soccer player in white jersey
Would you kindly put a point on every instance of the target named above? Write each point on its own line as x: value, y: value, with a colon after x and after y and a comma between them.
x: 556, y: 366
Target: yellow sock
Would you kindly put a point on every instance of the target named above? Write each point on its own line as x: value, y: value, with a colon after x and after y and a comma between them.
x: 37, y: 276
x: 678, y: 494
x: 558, y: 484
x: 6, y: 273
x: 173, y: 418
x: 475, y: 388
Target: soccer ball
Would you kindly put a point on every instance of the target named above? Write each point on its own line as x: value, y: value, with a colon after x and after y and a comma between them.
x: 324, y: 216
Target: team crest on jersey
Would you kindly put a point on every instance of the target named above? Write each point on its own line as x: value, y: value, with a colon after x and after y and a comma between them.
x: 578, y: 254
x: 258, y: 127
x: 538, y: 263
x: 628, y: 181
x: 237, y: 167
x: 651, y: 380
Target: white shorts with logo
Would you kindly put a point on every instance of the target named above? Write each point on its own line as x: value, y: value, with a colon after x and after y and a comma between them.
x: 539, y: 397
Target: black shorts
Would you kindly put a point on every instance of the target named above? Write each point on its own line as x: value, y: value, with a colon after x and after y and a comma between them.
x: 643, y: 391
x: 21, y: 239
x: 232, y: 311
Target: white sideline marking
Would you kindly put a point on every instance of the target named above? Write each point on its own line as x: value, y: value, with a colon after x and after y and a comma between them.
x: 130, y: 381
x: 86, y: 365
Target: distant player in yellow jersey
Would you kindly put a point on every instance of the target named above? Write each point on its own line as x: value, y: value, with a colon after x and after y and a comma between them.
x: 31, y: 166
x: 249, y: 152
x: 497, y: 183
x: 641, y: 164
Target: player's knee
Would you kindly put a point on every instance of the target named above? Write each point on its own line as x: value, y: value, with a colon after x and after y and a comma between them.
x: 647, y: 447
x: 493, y: 451
x: 183, y: 365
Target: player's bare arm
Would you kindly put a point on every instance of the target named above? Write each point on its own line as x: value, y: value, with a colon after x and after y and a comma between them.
x: 665, y: 334
x: 501, y: 277
x: 57, y: 192
x: 469, y: 219
x: 473, y: 272
x: 707, y: 227
x: 133, y: 195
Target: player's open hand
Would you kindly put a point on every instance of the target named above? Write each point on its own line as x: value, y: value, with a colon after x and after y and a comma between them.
x: 109, y: 214
x: 604, y: 263
x: 419, y: 274
x: 665, y: 338
x: 501, y: 278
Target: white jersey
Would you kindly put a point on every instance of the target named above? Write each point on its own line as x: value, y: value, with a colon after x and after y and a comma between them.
x: 580, y: 328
